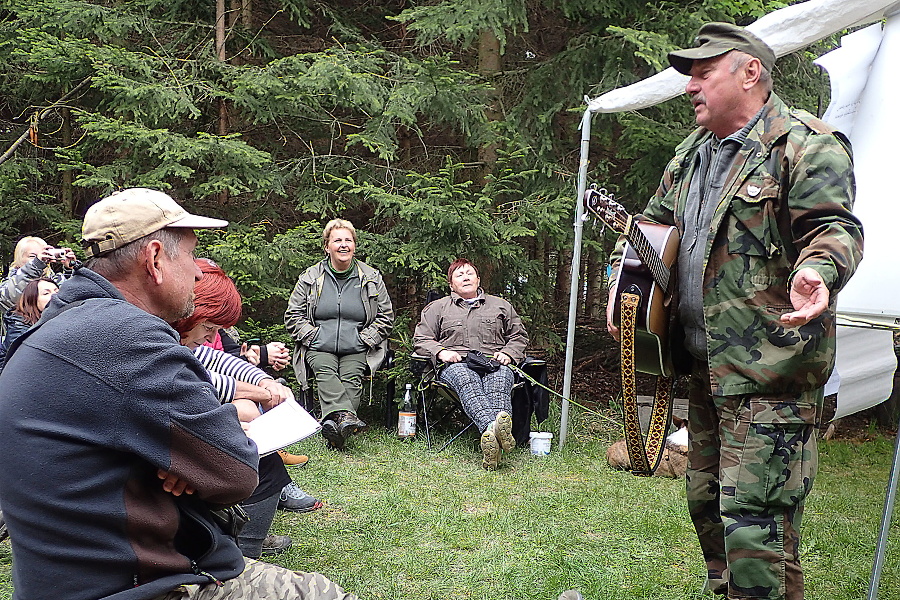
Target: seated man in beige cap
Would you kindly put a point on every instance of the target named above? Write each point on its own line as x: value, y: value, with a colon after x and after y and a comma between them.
x: 761, y: 195
x: 119, y: 459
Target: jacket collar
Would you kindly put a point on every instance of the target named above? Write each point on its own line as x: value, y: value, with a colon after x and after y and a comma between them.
x: 771, y: 126
x: 83, y: 285
x: 457, y: 299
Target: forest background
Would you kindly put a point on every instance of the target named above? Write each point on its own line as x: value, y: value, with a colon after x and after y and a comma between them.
x: 440, y: 128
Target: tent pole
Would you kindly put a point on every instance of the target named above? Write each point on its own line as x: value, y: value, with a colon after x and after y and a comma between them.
x: 885, y: 521
x: 575, y: 288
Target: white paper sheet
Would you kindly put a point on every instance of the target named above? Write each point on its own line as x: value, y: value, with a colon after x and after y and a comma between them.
x: 281, y: 426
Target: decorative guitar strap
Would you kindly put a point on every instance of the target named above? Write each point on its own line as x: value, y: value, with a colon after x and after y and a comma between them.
x: 644, y: 458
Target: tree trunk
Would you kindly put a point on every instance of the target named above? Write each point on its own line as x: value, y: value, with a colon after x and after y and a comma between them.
x: 68, y: 196
x: 234, y: 14
x: 489, y: 67
x: 247, y: 13
x: 543, y: 248
x: 595, y: 288
x: 563, y: 277
x: 220, y: 53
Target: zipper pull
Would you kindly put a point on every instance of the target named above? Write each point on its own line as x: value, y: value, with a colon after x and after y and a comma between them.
x: 198, y: 571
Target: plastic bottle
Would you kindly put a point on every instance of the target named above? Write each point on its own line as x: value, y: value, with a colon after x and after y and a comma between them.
x: 406, y: 420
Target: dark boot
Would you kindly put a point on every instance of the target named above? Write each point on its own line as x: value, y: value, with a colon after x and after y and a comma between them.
x: 275, y: 544
x: 351, y: 425
x: 332, y: 431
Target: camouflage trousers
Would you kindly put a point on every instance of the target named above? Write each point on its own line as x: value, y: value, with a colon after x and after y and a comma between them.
x: 263, y: 581
x: 751, y: 463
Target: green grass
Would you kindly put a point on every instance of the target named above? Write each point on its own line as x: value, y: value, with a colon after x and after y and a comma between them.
x: 401, y: 522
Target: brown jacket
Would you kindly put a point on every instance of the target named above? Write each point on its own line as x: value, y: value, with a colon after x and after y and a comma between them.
x: 488, y: 325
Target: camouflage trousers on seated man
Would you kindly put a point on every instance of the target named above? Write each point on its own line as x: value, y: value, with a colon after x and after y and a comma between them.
x: 264, y: 581
x: 764, y: 449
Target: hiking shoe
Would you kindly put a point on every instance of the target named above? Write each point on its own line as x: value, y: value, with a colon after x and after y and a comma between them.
x: 350, y: 424
x: 571, y: 595
x: 503, y: 430
x: 490, y: 449
x: 293, y: 460
x: 275, y: 544
x: 333, y: 433
x: 294, y: 499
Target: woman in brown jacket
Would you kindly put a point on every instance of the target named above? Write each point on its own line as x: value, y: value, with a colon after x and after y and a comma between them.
x: 469, y: 320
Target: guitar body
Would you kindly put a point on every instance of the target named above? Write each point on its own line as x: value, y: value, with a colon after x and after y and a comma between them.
x: 652, y: 322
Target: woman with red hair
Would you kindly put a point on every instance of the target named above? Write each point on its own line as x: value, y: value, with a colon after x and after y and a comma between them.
x: 468, y: 320
x: 217, y: 304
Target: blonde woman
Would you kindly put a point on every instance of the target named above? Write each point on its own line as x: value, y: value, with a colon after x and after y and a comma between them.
x: 31, y: 260
x: 340, y: 316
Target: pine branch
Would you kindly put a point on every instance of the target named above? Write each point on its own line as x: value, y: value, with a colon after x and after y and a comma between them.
x: 38, y: 116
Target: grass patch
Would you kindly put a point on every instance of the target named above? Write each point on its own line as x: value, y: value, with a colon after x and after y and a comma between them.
x: 401, y: 522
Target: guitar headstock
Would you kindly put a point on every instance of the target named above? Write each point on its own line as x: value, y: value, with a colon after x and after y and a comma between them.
x: 601, y: 204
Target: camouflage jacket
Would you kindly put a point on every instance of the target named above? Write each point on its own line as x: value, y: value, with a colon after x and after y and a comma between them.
x: 786, y: 204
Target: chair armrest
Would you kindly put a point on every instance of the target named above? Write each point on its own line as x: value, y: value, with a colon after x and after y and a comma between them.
x: 419, y: 364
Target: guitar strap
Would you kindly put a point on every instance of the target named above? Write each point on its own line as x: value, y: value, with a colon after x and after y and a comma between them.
x: 641, y: 455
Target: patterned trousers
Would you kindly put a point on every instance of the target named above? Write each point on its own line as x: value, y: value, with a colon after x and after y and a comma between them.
x: 263, y: 581
x: 481, y: 397
x: 751, y: 463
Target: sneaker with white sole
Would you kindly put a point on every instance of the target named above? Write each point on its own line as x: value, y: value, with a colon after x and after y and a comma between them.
x: 503, y: 431
x: 490, y: 449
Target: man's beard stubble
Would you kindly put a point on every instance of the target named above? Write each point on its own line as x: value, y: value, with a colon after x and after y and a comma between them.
x: 186, y: 310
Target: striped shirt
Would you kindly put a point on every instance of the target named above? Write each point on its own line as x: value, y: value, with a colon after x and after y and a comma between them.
x: 225, y: 370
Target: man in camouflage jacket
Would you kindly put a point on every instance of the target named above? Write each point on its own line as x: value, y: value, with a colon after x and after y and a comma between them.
x: 761, y: 195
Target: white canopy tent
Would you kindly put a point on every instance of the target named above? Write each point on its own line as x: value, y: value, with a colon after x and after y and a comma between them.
x: 787, y: 30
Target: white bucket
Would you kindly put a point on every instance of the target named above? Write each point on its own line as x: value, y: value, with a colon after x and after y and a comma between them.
x: 540, y: 442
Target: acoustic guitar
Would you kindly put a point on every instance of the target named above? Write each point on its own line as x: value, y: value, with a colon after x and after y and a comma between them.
x: 646, y: 270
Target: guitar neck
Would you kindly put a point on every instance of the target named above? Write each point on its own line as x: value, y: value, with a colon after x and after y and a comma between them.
x: 645, y: 251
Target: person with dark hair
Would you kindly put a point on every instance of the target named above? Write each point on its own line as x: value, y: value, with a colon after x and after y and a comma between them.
x: 31, y: 304
x: 466, y: 320
x: 217, y: 304
x: 139, y: 462
x: 340, y: 316
x: 761, y: 195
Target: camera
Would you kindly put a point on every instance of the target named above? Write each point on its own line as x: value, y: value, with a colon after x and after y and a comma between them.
x: 58, y: 254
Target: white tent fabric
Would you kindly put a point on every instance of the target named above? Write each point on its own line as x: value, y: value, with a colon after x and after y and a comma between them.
x: 864, y: 374
x: 785, y: 30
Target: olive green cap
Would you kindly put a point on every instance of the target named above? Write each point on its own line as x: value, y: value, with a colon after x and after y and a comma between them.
x: 715, y: 39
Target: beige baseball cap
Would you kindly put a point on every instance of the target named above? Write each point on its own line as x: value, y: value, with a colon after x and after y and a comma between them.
x: 129, y: 214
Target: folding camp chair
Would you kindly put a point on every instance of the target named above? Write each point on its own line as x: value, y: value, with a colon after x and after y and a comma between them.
x: 431, y: 388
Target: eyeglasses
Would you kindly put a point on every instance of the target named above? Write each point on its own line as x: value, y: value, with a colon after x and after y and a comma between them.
x: 210, y: 327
